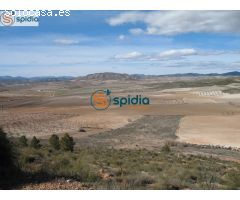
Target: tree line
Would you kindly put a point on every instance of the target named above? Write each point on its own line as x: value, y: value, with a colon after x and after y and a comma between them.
x: 66, y: 143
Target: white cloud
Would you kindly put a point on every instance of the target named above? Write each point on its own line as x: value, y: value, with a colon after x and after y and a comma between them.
x: 126, y: 17
x: 66, y: 41
x: 121, y: 37
x: 136, y: 31
x: 177, y: 22
x: 164, y: 55
x: 174, y: 53
x: 129, y: 56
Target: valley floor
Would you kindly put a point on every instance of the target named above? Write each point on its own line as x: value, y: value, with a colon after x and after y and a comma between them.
x: 125, y: 147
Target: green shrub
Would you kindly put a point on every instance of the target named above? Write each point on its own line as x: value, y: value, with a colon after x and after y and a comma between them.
x: 67, y: 143
x: 143, y: 180
x: 35, y: 143
x: 6, y: 153
x: 8, y: 168
x: 54, y: 142
x: 172, y: 184
x: 23, y: 142
x: 28, y: 159
x: 166, y: 148
x: 231, y: 179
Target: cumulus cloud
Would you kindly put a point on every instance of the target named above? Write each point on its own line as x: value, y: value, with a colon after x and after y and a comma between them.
x: 178, y: 22
x: 66, y: 41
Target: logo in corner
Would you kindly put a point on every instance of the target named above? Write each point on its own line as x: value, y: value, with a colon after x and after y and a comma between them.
x: 7, y: 19
x: 101, y: 99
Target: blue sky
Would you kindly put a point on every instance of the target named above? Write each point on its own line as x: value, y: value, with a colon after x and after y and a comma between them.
x: 135, y: 42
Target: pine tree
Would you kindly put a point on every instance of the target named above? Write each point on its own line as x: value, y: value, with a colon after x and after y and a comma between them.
x: 54, y: 142
x: 35, y: 143
x: 8, y: 166
x: 23, y: 141
x: 67, y: 143
x: 6, y: 153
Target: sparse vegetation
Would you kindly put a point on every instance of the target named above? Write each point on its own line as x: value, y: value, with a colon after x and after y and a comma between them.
x: 197, y: 83
x: 103, y: 168
x: 232, y: 90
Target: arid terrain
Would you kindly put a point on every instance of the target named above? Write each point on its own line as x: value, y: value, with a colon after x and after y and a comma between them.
x: 195, y: 115
x: 209, y: 115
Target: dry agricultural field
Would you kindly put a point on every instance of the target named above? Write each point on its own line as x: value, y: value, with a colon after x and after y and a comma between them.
x: 198, y: 111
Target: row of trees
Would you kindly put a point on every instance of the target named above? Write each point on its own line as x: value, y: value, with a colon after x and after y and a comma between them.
x: 66, y: 143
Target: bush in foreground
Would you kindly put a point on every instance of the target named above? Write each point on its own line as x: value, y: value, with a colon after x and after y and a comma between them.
x: 6, y: 153
x: 166, y: 148
x: 8, y: 167
x: 23, y: 142
x: 54, y: 142
x: 67, y: 143
x: 35, y: 143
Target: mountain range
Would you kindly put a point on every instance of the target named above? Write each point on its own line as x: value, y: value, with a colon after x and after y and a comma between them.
x: 102, y: 76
